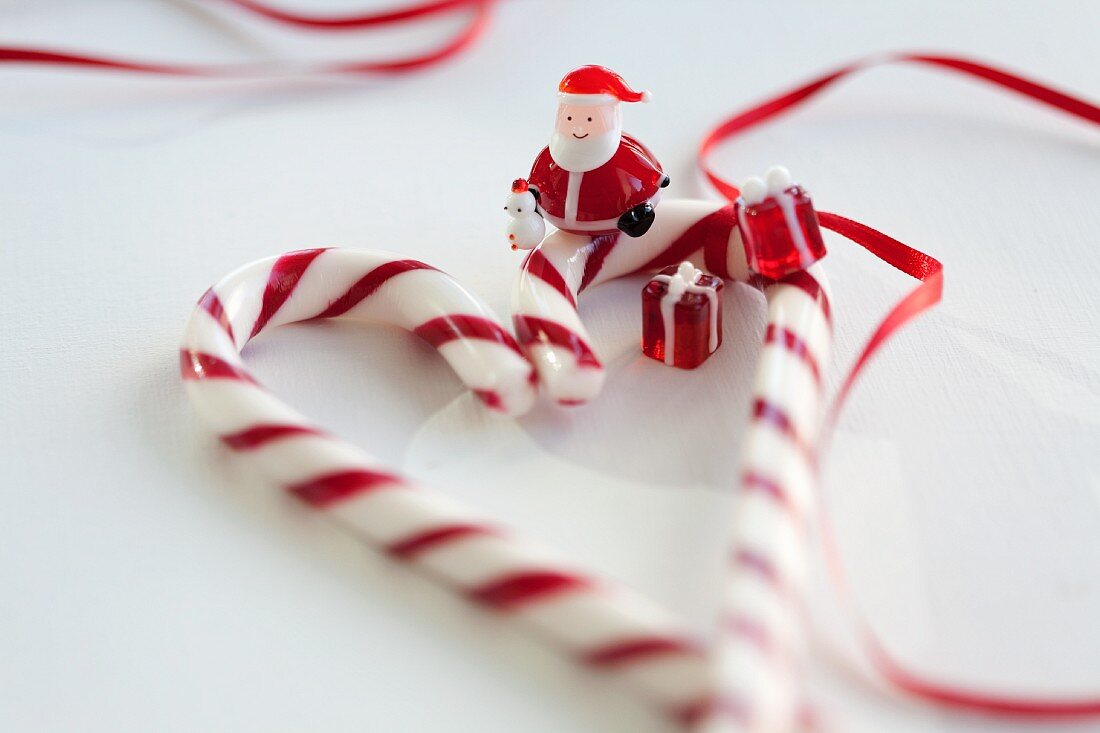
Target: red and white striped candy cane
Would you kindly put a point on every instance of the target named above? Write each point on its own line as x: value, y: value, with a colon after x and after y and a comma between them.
x: 757, y: 661
x: 762, y: 635
x: 602, y: 626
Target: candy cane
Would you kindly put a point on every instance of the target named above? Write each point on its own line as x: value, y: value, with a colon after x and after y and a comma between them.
x: 761, y: 640
x: 600, y: 625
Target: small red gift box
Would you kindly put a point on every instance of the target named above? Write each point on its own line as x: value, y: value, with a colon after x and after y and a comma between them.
x: 778, y: 225
x: 682, y: 316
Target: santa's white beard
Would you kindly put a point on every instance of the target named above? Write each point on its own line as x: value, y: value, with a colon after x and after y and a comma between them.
x: 584, y: 155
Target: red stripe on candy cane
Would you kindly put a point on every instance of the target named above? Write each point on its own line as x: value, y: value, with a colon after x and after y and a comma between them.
x: 772, y: 414
x: 446, y: 329
x: 796, y: 345
x: 368, y: 285
x: 759, y: 565
x: 599, y: 249
x: 532, y: 330
x: 200, y: 365
x: 323, y: 491
x: 259, y: 436
x: 632, y: 650
x: 413, y: 546
x: 509, y: 593
x: 491, y: 398
x: 210, y: 303
x: 753, y: 481
x: 285, y: 275
x: 538, y: 266
x: 725, y: 707
x: 689, y: 715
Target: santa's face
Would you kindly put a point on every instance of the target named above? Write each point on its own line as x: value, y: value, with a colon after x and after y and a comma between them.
x: 585, y: 136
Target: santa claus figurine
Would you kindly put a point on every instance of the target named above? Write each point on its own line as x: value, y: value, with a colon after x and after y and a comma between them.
x: 592, y: 179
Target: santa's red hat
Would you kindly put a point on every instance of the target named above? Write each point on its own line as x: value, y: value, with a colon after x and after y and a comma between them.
x: 597, y: 85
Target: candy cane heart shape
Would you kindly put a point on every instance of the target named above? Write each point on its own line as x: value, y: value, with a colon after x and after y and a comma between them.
x: 602, y: 626
x: 544, y: 299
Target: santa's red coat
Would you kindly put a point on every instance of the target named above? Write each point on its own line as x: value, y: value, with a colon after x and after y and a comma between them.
x: 632, y: 176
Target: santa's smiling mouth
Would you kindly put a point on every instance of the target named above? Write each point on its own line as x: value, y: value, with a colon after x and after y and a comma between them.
x: 580, y: 137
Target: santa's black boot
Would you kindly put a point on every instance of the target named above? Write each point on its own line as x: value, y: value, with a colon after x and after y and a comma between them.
x: 637, y: 221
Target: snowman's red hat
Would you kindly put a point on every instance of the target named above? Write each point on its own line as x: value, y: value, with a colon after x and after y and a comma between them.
x: 591, y: 85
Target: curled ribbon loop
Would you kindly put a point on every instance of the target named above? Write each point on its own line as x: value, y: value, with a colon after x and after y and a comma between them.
x: 929, y: 271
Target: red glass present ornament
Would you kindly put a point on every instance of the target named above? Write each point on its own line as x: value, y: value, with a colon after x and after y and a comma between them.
x: 682, y: 316
x: 778, y: 225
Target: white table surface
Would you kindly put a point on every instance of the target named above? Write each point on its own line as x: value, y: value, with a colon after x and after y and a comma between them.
x: 148, y: 582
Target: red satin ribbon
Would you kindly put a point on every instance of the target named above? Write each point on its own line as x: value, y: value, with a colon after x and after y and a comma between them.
x: 352, y: 22
x: 929, y: 271
x: 466, y: 35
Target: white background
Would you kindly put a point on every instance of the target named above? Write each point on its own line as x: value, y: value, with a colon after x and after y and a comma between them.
x: 149, y: 583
